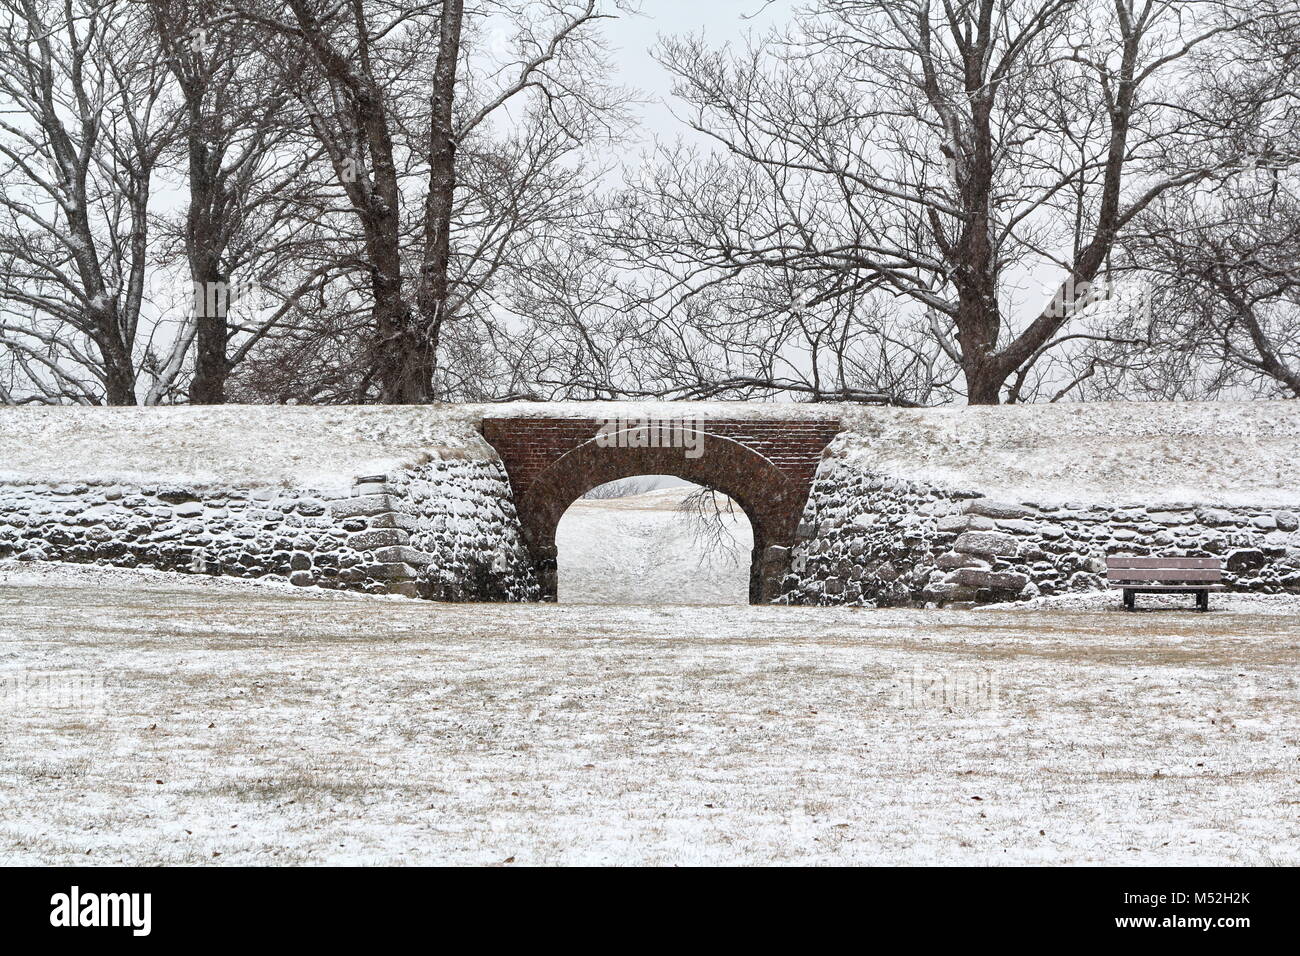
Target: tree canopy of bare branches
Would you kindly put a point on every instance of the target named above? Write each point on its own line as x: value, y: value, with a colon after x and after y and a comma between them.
x: 437, y: 197
x: 904, y: 201
x: 945, y: 155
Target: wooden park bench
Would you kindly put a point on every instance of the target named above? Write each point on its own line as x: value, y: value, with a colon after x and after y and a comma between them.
x: 1165, y: 575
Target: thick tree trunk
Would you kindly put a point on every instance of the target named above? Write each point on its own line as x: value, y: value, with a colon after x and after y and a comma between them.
x: 979, y: 319
x: 973, y: 257
x: 403, y: 377
x: 983, y: 386
x: 204, y: 245
x: 119, y: 373
x: 211, y: 364
x: 978, y: 335
x: 399, y: 352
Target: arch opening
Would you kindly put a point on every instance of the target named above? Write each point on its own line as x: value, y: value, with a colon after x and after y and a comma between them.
x: 653, y: 540
x: 770, y: 500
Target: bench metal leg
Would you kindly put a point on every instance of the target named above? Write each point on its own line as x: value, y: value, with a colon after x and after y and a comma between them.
x: 1130, y: 597
x: 1203, y: 600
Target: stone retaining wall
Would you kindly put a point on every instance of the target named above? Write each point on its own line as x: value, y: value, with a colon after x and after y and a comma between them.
x: 446, y: 526
x: 871, y: 539
x: 450, y: 525
x: 445, y: 529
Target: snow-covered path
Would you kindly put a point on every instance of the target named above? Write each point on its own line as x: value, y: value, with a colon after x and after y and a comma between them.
x: 253, y: 724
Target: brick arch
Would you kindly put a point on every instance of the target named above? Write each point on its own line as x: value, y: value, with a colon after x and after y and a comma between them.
x: 765, y: 466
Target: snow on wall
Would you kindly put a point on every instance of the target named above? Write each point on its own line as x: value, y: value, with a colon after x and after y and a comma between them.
x: 1212, y: 452
x: 323, y: 448
x: 876, y: 539
x: 1245, y: 453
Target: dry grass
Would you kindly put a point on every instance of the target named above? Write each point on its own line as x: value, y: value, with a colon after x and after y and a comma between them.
x: 286, y: 728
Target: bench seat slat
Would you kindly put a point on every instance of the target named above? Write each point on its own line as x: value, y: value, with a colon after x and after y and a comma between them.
x: 1122, y: 561
x: 1164, y: 574
x: 1187, y: 588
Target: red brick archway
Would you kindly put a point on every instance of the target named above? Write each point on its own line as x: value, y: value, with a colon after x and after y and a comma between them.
x: 765, y: 465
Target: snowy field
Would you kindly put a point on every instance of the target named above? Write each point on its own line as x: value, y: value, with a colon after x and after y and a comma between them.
x: 149, y: 718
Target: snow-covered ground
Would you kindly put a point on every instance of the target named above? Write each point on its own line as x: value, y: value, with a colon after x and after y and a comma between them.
x: 642, y: 550
x: 1110, y: 602
x: 151, y: 718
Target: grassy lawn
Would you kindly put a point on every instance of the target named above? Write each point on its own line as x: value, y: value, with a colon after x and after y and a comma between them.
x: 246, y: 725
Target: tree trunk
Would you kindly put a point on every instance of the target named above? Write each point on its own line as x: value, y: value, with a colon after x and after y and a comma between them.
x: 983, y: 386
x: 433, y: 298
x: 204, y: 247
x: 398, y: 345
x: 119, y: 373
x: 211, y: 364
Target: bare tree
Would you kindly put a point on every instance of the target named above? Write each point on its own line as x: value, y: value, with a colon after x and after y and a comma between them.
x: 1208, y: 303
x: 598, y: 328
x: 83, y: 124
x: 947, y: 154
x: 712, y: 517
x: 1230, y: 289
x: 623, y: 488
x: 247, y: 177
x: 395, y: 132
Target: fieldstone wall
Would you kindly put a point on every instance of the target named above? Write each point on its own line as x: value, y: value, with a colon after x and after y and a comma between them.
x: 445, y: 530
x: 449, y: 526
x: 874, y: 540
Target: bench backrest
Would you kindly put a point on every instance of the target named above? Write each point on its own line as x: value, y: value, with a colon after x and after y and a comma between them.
x: 1183, y: 570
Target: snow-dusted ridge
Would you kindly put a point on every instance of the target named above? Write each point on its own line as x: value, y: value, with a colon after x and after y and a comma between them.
x: 1205, y: 452
x: 321, y: 448
x: 1232, y: 453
